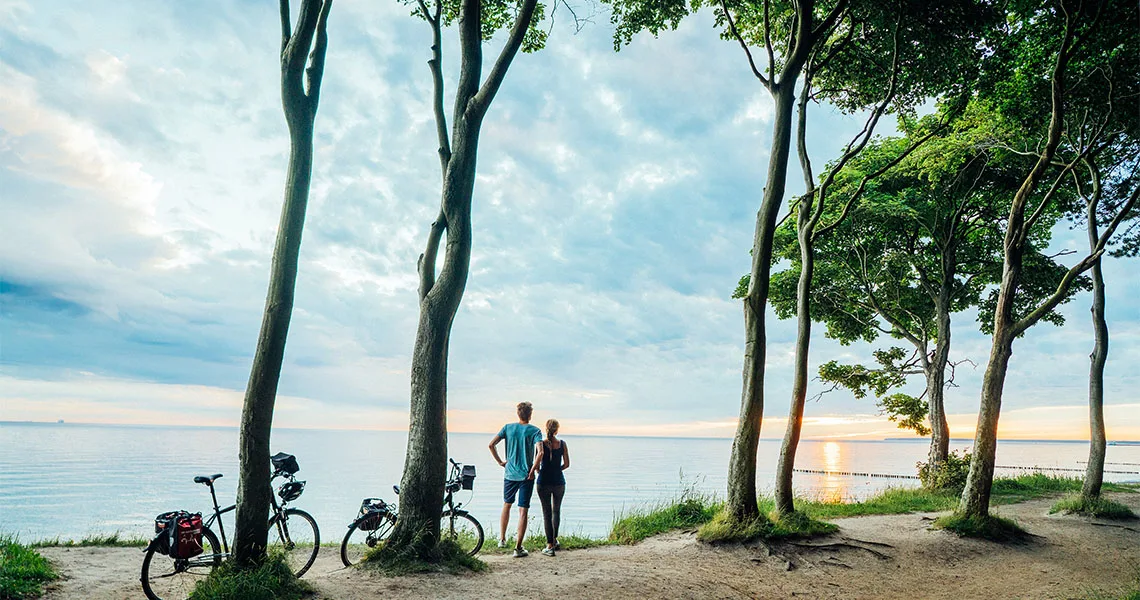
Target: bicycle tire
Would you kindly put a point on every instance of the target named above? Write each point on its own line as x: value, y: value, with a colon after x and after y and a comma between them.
x: 177, y: 577
x: 463, y: 529
x: 352, y: 551
x: 298, y: 539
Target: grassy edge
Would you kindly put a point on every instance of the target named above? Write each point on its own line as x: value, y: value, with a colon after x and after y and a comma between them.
x: 1101, y: 508
x: 992, y: 527
x: 23, y: 571
x: 114, y: 540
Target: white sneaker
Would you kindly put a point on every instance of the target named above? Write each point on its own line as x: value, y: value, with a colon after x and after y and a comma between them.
x: 548, y: 551
x: 521, y: 553
x: 502, y: 543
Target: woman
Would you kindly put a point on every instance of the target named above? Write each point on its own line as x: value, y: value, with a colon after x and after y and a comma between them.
x: 551, y: 460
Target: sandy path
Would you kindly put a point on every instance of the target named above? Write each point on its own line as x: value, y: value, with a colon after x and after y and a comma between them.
x: 1071, y: 559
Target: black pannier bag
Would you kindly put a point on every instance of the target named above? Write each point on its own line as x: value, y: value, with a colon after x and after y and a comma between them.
x: 467, y: 477
x: 375, y: 510
x: 182, y: 534
x: 162, y: 524
x: 286, y: 463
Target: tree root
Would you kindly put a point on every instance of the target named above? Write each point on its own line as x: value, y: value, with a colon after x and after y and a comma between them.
x: 878, y: 554
x: 1114, y: 526
x: 868, y: 542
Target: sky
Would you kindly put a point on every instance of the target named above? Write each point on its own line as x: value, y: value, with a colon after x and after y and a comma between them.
x: 142, y: 163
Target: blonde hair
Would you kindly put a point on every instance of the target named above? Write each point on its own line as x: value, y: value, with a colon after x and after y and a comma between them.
x: 551, y: 428
x: 524, y: 409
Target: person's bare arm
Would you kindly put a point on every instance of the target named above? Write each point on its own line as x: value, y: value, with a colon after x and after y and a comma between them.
x: 565, y: 457
x: 539, y: 450
x: 494, y: 446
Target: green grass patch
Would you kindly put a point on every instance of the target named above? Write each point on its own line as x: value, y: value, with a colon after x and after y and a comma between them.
x: 725, y: 528
x: 23, y: 571
x: 891, y: 501
x: 770, y: 526
x: 537, y: 541
x: 1102, y: 508
x: 449, y: 558
x: 272, y: 580
x: 992, y: 528
x: 115, y: 540
x: 690, y: 510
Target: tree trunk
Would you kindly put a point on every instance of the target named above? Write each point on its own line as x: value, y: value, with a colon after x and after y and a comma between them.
x: 425, y: 465
x: 741, y: 502
x: 1094, y: 472
x: 785, y: 503
x: 254, y: 492
x: 975, y: 501
x: 936, y: 378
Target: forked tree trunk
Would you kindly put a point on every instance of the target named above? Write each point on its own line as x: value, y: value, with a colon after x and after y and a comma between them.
x: 741, y: 501
x: 300, y: 105
x: 1094, y: 472
x: 425, y: 466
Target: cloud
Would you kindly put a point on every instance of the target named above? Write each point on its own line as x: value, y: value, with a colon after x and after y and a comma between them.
x: 142, y: 163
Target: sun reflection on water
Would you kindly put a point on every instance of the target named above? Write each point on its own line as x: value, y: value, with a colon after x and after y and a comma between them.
x: 832, y: 488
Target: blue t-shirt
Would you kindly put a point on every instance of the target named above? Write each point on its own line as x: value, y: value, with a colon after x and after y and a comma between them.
x: 520, y: 449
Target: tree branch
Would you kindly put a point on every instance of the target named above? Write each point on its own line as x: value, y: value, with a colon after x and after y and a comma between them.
x: 747, y: 52
x: 495, y: 79
x: 426, y: 265
x: 316, y: 70
x: 436, y: 66
x: 1085, y: 264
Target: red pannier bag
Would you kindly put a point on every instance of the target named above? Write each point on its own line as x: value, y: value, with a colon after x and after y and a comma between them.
x: 187, y: 536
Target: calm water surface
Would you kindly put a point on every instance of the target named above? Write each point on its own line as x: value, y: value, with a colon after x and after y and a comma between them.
x: 71, y: 480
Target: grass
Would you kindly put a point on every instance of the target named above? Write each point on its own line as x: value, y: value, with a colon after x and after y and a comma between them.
x: 538, y: 540
x: 450, y: 559
x: 1099, y: 507
x: 993, y: 528
x: 115, y: 540
x: 691, y: 509
x: 272, y: 580
x: 23, y: 572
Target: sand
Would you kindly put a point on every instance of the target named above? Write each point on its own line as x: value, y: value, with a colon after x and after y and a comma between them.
x: 895, y: 556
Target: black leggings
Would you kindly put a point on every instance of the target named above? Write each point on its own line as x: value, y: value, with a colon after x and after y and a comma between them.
x: 551, y: 498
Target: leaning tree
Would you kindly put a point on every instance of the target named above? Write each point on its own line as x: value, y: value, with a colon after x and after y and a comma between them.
x: 1040, y: 69
x: 302, y: 66
x: 425, y: 465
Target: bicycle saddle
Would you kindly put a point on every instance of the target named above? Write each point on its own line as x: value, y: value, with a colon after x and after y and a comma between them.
x: 207, y: 480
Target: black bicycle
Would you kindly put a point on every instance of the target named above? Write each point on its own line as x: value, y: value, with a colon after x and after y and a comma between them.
x: 377, y: 519
x: 292, y: 533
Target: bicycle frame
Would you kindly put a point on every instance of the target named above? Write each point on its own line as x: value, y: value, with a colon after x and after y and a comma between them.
x: 278, y: 509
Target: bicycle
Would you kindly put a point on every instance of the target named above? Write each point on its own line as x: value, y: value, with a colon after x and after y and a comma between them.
x: 292, y: 532
x: 377, y: 518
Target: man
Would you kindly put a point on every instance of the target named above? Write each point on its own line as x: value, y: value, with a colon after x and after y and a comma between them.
x: 518, y: 482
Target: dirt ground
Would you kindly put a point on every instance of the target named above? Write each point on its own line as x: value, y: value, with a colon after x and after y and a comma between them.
x: 896, y: 556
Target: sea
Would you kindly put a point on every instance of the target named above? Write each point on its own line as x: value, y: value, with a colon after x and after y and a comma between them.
x: 68, y: 481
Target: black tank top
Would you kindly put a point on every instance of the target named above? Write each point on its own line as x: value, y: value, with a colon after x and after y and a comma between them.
x: 550, y: 469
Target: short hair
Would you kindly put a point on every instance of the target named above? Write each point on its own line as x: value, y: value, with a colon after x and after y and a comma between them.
x: 524, y: 409
x: 551, y: 427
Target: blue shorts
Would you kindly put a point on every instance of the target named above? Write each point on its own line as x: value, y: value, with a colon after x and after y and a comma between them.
x: 524, y: 489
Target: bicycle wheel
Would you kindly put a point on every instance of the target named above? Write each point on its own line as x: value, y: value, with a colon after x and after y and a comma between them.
x: 296, y: 537
x: 462, y: 529
x: 166, y: 578
x: 358, y: 542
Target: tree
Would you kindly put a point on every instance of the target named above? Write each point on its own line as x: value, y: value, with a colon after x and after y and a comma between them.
x: 923, y: 242
x: 1088, y: 59
x: 304, y: 45
x: 425, y: 466
x: 1099, y: 196
x: 791, y: 34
